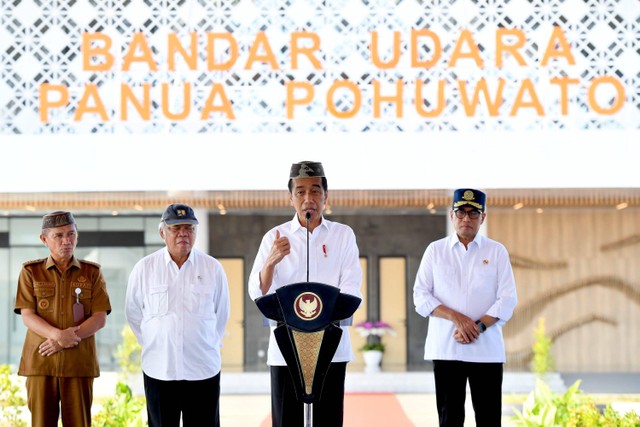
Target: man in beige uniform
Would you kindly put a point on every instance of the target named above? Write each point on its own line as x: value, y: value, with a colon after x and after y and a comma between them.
x: 63, y: 301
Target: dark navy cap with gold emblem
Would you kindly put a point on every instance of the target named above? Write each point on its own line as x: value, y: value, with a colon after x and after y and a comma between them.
x: 57, y: 219
x: 469, y: 197
x: 179, y: 214
x: 307, y: 170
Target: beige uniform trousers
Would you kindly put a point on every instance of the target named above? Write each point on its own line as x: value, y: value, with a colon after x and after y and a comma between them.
x: 49, y: 397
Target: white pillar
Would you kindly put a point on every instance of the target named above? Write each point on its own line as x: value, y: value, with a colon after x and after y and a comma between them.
x: 202, y: 241
x: 450, y: 229
x: 484, y: 228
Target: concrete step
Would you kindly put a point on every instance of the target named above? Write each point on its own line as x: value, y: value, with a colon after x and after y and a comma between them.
x: 356, y: 382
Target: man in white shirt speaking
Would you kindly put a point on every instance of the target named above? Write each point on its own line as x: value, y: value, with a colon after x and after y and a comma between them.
x: 282, y: 260
x: 177, y: 305
x: 465, y: 286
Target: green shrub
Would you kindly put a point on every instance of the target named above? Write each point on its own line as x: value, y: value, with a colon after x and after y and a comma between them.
x: 128, y: 353
x: 544, y: 408
x: 542, y: 358
x: 11, y: 402
x: 615, y: 419
x: 123, y: 410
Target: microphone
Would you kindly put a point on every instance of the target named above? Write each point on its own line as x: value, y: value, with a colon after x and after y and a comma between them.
x: 308, y: 216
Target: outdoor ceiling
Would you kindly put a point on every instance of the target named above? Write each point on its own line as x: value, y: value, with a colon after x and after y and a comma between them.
x: 339, y: 201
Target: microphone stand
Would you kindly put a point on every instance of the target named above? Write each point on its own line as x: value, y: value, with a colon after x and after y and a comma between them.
x: 308, y: 409
x: 308, y: 216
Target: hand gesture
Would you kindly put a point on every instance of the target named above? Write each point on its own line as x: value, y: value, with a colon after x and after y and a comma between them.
x: 279, y: 250
x: 67, y: 338
x: 466, y: 329
x: 49, y: 347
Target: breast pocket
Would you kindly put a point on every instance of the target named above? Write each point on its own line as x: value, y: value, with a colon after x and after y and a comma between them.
x: 485, y: 282
x: 443, y: 272
x: 444, y: 280
x: 84, y: 297
x: 202, y: 300
x: 45, y: 296
x: 158, y: 300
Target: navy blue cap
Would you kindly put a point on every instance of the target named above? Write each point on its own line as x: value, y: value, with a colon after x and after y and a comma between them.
x: 179, y: 214
x: 469, y: 197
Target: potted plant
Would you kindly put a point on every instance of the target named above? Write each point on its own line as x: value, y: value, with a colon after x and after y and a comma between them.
x: 372, y: 350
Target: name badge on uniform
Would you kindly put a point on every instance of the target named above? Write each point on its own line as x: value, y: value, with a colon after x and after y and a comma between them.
x: 78, y: 309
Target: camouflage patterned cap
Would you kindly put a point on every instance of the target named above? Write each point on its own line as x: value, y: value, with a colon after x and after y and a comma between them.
x: 306, y: 170
x: 57, y: 219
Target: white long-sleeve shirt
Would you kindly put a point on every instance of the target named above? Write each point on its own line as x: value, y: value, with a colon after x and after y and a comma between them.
x: 333, y: 260
x: 474, y: 282
x: 178, y: 315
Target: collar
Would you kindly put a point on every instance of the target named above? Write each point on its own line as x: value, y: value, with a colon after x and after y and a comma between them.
x: 51, y: 262
x: 478, y: 240
x: 168, y: 259
x: 295, y: 224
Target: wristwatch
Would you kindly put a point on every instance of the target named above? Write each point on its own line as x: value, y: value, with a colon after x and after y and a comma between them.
x: 481, y: 326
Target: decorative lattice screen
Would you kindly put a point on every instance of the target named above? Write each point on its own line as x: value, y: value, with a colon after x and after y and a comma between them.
x: 40, y: 42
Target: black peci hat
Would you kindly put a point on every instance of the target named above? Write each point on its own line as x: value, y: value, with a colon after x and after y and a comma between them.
x: 57, y: 219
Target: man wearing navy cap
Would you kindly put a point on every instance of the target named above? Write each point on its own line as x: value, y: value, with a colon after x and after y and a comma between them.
x: 333, y: 260
x: 465, y: 286
x: 177, y: 305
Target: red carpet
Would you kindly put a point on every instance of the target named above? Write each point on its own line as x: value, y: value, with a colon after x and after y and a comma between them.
x: 370, y: 410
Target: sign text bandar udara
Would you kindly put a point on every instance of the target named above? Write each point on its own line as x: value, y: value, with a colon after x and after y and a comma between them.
x: 485, y: 96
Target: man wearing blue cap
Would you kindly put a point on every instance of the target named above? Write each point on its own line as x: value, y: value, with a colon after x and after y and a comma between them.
x: 465, y: 286
x: 177, y: 305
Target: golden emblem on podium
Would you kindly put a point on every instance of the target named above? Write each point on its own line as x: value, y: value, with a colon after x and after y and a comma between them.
x: 307, y: 306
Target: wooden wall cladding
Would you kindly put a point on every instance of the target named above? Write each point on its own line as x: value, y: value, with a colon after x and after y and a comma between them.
x: 580, y: 270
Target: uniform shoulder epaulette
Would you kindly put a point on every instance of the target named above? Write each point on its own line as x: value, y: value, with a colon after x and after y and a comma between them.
x: 95, y: 264
x: 34, y: 261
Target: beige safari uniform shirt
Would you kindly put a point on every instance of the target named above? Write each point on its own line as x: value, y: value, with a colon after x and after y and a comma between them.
x: 51, y: 294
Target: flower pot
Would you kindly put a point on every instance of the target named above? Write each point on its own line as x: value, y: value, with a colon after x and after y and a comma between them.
x: 372, y: 360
